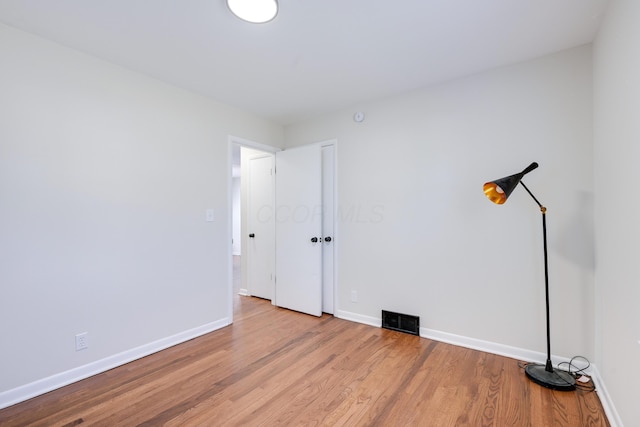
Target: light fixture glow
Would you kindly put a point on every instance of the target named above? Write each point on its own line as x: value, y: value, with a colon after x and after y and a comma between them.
x: 254, y: 11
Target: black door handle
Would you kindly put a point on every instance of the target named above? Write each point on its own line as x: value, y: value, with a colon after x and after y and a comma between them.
x: 327, y: 239
x: 314, y: 240
x: 252, y: 235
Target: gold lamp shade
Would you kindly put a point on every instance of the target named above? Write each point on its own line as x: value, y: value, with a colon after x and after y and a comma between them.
x: 495, y: 193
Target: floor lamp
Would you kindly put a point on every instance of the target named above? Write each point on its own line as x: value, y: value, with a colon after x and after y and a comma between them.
x: 498, y: 191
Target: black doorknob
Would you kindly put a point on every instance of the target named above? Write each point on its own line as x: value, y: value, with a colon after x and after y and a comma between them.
x: 314, y: 240
x: 327, y: 239
x: 252, y: 235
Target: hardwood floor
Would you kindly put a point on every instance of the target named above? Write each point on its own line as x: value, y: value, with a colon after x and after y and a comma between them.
x: 277, y: 367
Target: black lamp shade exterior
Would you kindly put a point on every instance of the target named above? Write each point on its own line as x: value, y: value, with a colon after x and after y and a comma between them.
x: 499, y: 190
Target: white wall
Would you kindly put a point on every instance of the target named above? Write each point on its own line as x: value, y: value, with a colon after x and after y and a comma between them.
x: 617, y: 206
x: 105, y: 176
x: 416, y: 233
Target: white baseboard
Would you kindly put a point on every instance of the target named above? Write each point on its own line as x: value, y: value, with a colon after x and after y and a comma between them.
x: 487, y: 346
x: 45, y: 385
x: 358, y: 318
x: 501, y: 350
x: 243, y: 292
x: 605, y: 399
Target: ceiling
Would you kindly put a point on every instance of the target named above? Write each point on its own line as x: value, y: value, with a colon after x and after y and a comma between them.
x: 317, y: 56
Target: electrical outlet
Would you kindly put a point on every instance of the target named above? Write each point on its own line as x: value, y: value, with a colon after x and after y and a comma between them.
x: 210, y: 215
x: 82, y: 341
x: 354, y: 296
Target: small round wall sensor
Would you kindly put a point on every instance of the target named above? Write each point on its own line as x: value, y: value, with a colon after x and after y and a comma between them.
x: 358, y: 117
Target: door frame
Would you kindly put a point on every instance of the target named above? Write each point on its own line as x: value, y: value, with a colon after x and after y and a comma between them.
x: 231, y: 142
x: 335, y: 224
x: 242, y: 142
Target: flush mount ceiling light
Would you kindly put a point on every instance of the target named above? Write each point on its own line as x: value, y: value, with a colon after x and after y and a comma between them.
x: 254, y: 11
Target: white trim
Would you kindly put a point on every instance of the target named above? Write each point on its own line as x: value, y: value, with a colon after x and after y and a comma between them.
x: 605, y: 399
x: 45, y: 385
x: 252, y: 144
x: 358, y: 318
x: 336, y: 224
x: 230, y: 227
x: 336, y: 235
x: 486, y: 346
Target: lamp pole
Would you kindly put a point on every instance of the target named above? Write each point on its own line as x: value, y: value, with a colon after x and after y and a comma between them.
x: 555, y: 379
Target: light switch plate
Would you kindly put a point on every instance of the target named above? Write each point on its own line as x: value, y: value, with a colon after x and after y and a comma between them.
x: 210, y: 215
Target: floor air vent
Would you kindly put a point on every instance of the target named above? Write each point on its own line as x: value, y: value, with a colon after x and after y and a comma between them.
x: 401, y: 322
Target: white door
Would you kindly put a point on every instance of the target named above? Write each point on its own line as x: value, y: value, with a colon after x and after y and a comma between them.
x: 299, y: 229
x: 260, y: 227
x: 328, y: 235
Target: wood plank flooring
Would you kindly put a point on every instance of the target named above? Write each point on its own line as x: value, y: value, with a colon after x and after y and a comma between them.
x: 277, y: 367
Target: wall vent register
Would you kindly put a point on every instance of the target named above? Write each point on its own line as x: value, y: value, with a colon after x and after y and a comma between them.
x: 401, y: 322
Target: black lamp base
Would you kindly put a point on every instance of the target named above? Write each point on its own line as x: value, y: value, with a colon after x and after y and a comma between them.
x: 557, y: 379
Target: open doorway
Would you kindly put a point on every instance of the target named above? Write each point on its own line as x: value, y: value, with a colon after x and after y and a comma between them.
x: 252, y: 258
x: 252, y: 261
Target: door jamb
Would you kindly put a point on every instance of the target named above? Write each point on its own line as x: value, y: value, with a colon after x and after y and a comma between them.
x: 336, y: 223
